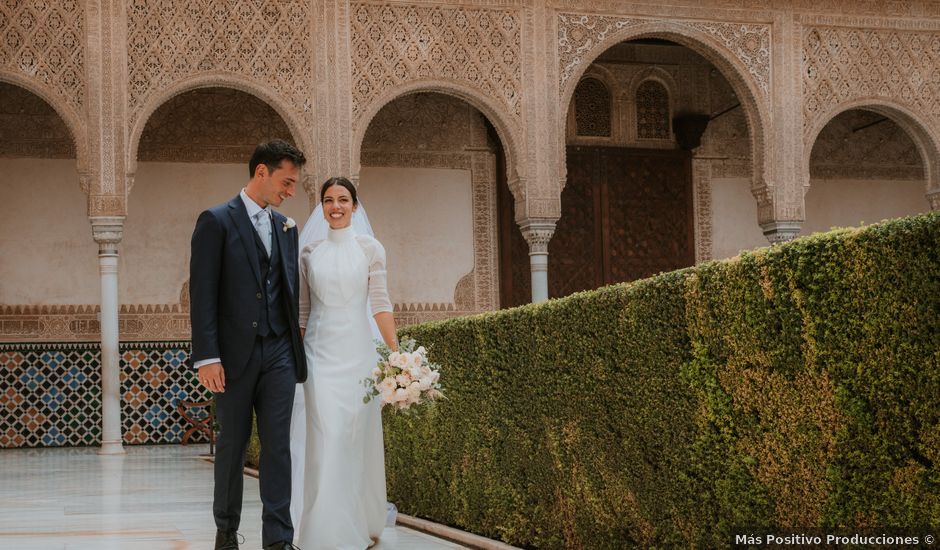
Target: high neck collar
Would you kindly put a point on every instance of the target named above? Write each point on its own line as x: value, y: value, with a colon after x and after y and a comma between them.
x: 341, y: 235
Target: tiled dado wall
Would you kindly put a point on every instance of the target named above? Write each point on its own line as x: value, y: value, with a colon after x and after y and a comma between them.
x: 50, y: 394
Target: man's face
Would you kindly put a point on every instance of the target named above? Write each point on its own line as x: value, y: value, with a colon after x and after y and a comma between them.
x: 275, y: 186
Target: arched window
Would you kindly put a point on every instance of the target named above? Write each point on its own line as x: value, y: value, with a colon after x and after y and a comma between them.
x: 592, y: 108
x: 652, y: 111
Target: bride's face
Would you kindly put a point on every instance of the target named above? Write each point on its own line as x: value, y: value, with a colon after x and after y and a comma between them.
x: 338, y: 206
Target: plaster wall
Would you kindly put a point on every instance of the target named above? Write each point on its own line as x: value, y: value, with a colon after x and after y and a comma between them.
x: 853, y: 202
x: 47, y: 253
x: 162, y: 210
x: 424, y: 218
x: 734, y: 218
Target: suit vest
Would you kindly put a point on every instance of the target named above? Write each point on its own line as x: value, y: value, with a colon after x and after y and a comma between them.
x: 273, y: 307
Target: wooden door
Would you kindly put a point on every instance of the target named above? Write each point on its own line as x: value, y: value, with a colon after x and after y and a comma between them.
x: 626, y: 214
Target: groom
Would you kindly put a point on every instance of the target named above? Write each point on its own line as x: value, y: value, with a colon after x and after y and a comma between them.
x: 246, y: 342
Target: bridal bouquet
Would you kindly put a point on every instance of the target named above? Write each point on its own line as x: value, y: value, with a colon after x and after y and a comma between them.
x: 403, y: 378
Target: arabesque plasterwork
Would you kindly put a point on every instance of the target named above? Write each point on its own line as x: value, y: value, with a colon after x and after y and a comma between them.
x: 579, y: 35
x: 267, y: 43
x: 392, y: 44
x: 44, y: 41
x: 842, y: 64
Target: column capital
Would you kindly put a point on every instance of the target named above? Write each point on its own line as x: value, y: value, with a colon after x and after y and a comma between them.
x: 778, y: 232
x: 933, y: 197
x: 107, y: 231
x: 537, y: 232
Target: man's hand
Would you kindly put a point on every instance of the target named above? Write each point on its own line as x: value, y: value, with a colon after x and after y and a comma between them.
x: 212, y: 377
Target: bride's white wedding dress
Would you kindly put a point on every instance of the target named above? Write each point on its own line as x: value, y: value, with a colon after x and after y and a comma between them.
x: 340, y: 500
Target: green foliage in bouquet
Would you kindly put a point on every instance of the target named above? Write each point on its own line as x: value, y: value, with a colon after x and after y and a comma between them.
x: 792, y: 387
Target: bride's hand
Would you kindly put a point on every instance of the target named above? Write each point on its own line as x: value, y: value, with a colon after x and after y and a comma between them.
x: 386, y: 323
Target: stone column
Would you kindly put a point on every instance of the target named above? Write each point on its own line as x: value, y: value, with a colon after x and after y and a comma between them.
x: 781, y: 207
x: 538, y: 232
x: 933, y: 197
x: 107, y: 231
x: 778, y: 232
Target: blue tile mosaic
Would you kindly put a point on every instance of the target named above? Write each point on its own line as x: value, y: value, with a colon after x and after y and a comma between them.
x: 50, y: 393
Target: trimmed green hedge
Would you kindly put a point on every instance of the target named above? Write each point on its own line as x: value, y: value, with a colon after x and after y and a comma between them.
x: 792, y: 387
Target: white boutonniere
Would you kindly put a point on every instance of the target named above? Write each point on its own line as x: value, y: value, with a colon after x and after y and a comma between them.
x: 289, y: 223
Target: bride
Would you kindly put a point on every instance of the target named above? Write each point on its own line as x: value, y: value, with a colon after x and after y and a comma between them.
x: 338, y: 496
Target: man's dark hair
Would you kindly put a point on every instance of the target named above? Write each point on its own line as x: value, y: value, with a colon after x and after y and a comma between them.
x: 272, y: 153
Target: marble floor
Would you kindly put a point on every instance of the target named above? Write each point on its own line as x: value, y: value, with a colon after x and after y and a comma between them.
x: 153, y: 498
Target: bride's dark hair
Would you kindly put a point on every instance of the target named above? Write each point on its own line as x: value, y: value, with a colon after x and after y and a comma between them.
x: 339, y: 180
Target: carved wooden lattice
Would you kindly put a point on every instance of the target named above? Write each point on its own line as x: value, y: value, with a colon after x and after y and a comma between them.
x: 592, y: 108
x: 649, y: 213
x: 652, y: 111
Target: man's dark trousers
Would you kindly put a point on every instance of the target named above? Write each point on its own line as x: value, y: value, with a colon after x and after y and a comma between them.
x: 268, y: 382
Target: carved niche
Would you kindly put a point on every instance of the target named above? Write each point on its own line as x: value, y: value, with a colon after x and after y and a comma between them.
x: 30, y: 127
x: 210, y: 125
x: 266, y: 42
x: 394, y: 44
x: 45, y: 41
x: 859, y: 144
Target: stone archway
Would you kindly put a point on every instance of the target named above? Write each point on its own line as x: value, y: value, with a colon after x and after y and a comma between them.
x: 39, y: 154
x: 866, y: 163
x: 509, y: 134
x: 740, y: 52
x: 281, y: 106
x: 75, y: 124
x: 926, y: 141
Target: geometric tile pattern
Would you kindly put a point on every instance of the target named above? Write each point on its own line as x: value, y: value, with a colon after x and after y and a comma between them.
x: 50, y: 394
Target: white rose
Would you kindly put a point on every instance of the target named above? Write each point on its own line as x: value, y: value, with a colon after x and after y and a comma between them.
x: 401, y: 394
x: 387, y: 395
x: 393, y: 358
x: 376, y: 373
x: 403, y: 379
x: 421, y: 351
x: 425, y: 383
x: 388, y: 384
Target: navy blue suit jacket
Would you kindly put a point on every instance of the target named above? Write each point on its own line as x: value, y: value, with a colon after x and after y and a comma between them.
x: 225, y: 286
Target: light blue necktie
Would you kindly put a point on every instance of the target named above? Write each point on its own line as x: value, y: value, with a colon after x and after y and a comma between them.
x: 263, y: 225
